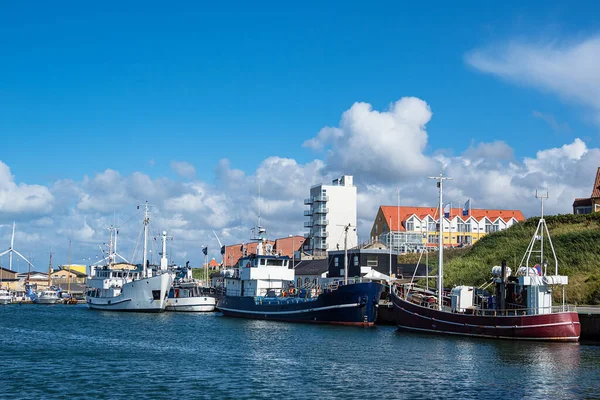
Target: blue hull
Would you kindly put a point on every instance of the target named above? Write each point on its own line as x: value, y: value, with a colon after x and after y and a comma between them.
x: 354, y: 304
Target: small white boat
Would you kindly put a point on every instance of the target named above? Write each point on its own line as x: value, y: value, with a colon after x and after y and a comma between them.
x: 5, y: 296
x: 47, y: 297
x: 190, y: 297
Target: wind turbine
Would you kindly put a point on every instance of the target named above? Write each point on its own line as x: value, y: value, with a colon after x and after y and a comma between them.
x: 12, y: 250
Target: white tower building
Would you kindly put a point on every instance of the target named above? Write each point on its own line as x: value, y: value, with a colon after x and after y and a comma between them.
x: 331, y: 208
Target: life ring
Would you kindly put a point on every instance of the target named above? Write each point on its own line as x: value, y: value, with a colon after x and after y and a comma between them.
x: 518, y: 297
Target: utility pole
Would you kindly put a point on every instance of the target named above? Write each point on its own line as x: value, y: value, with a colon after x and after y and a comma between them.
x: 440, y: 285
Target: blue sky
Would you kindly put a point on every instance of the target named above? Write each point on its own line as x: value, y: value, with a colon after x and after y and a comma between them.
x: 144, y: 87
x: 162, y: 82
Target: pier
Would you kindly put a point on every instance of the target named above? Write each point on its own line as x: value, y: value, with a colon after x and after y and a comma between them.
x: 589, y: 318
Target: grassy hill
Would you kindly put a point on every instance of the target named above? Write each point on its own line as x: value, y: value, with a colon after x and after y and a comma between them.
x: 576, y: 239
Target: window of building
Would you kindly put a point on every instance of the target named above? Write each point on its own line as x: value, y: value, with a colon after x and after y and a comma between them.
x: 432, y: 239
x: 431, y: 226
x: 371, y: 261
x: 583, y: 210
x: 355, y: 258
x: 463, y: 227
x: 336, y: 261
x: 410, y: 225
x: 376, y: 228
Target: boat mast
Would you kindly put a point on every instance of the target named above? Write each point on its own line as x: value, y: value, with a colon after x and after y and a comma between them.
x: 69, y: 274
x: 146, y: 221
x: 440, y: 285
x: 50, y: 268
x: 542, y: 222
x: 115, y: 246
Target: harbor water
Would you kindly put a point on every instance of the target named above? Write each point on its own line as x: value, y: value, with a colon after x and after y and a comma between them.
x: 71, y: 352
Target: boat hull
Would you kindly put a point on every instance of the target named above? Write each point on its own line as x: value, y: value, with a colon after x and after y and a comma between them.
x: 191, y: 304
x: 354, y: 304
x: 46, y: 301
x: 560, y: 326
x: 136, y: 296
x: 5, y: 300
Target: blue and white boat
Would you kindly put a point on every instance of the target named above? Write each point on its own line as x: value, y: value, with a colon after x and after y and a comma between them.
x: 261, y: 287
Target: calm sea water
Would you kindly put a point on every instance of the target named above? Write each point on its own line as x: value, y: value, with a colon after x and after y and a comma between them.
x: 71, y: 352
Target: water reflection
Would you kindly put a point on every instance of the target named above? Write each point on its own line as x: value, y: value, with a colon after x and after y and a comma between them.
x: 115, y: 355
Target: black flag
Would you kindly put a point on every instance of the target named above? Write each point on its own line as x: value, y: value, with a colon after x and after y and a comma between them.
x: 205, y: 250
x: 222, y: 249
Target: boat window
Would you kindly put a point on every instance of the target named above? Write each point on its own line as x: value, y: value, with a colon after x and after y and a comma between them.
x: 285, y: 263
x: 262, y: 261
x: 275, y: 263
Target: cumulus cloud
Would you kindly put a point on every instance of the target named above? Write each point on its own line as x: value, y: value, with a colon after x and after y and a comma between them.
x: 365, y: 141
x: 382, y: 145
x: 22, y: 198
x: 183, y: 168
x: 568, y: 69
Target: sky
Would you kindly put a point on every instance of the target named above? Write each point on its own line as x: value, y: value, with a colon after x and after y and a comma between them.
x: 190, y: 106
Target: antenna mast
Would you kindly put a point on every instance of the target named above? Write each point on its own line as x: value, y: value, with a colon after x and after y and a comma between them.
x: 539, y: 233
x: 440, y: 184
x: 146, y: 222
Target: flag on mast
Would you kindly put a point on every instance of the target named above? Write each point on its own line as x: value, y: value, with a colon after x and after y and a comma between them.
x: 467, y: 208
x: 447, y: 210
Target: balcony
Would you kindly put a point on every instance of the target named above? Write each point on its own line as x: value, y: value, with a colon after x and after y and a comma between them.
x: 320, y: 210
x: 308, y: 202
x: 308, y: 224
x: 320, y: 222
x: 308, y: 213
x: 320, y: 198
x: 321, y: 246
x: 322, y: 234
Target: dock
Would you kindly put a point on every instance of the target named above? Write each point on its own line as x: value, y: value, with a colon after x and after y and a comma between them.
x: 589, y: 318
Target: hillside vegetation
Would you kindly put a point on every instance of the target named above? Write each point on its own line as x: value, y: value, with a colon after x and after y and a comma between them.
x: 576, y: 239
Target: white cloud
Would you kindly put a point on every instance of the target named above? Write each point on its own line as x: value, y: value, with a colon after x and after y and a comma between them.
x: 568, y: 69
x: 190, y: 209
x: 22, y: 198
x: 382, y: 145
x: 183, y: 168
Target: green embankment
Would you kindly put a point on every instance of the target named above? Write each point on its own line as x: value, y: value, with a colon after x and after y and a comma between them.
x: 576, y: 239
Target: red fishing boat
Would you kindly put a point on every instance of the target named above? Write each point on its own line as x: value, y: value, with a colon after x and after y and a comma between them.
x: 509, y: 306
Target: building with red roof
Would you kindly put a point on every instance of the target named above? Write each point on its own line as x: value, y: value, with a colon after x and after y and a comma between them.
x: 412, y: 227
x: 286, y: 246
x: 589, y: 204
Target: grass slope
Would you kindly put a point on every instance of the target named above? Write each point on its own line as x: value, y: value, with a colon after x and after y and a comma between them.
x: 576, y: 239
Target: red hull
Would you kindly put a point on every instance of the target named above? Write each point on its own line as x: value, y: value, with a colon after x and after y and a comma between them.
x: 563, y: 326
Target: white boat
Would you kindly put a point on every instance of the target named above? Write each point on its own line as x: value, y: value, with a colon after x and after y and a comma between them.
x: 190, y: 297
x: 48, y: 296
x: 142, y: 288
x: 5, y: 296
